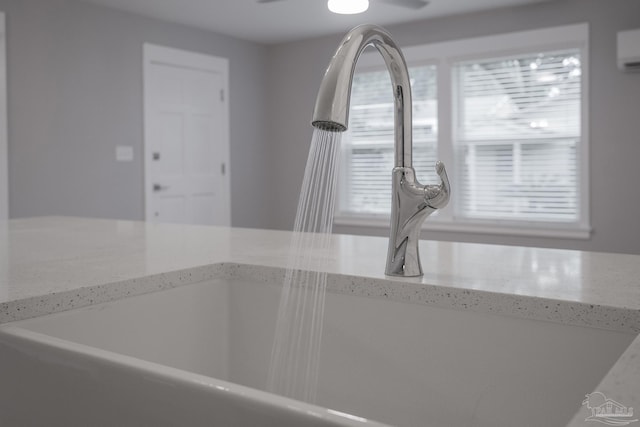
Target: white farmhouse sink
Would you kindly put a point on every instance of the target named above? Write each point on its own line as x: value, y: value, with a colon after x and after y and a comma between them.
x: 198, y: 355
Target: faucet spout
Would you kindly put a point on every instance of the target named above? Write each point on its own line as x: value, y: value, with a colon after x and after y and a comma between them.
x: 412, y: 202
x: 332, y: 104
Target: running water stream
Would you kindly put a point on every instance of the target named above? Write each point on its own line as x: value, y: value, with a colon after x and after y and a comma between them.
x: 294, y: 366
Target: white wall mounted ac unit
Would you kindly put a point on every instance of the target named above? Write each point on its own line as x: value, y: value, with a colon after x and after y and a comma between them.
x: 629, y: 50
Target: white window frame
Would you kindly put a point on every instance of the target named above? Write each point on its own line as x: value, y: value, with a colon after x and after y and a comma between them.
x: 445, y: 55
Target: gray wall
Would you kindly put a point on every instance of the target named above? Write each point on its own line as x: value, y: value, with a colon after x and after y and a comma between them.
x: 295, y: 72
x: 75, y: 92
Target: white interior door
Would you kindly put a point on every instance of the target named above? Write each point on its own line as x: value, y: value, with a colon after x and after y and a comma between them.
x: 186, y: 137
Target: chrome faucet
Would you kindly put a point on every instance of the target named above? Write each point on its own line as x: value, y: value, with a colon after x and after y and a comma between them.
x: 411, y: 201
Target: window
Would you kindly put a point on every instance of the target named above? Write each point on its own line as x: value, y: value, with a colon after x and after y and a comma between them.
x: 508, y: 121
x: 518, y: 130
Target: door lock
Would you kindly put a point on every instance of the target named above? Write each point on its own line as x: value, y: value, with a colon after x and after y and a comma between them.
x: 158, y: 187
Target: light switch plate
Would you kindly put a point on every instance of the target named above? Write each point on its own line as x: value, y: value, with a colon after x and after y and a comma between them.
x: 124, y: 153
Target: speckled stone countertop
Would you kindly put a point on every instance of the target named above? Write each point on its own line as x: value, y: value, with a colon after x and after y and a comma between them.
x: 56, y: 263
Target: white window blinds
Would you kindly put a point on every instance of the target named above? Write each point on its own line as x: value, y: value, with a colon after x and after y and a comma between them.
x: 518, y: 136
x: 368, y: 144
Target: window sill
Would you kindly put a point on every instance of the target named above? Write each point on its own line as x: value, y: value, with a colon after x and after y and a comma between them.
x: 527, y: 230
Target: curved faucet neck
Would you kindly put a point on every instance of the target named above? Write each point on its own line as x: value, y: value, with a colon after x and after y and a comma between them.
x: 332, y: 104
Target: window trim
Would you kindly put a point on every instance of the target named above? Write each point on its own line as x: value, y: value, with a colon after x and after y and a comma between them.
x: 444, y: 55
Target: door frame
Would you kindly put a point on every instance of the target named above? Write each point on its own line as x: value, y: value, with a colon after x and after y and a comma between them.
x: 156, y: 54
x: 4, y: 149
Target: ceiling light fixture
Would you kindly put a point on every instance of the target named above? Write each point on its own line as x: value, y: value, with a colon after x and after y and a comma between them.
x: 348, y: 7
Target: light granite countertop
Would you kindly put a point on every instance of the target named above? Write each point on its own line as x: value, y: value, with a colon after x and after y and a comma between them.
x: 52, y: 264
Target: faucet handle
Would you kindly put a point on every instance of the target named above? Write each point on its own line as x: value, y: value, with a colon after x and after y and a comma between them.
x: 437, y: 196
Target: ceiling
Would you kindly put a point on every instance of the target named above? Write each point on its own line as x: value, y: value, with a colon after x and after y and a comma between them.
x: 289, y: 20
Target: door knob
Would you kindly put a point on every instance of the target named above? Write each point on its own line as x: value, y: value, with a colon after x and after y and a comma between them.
x: 158, y: 187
